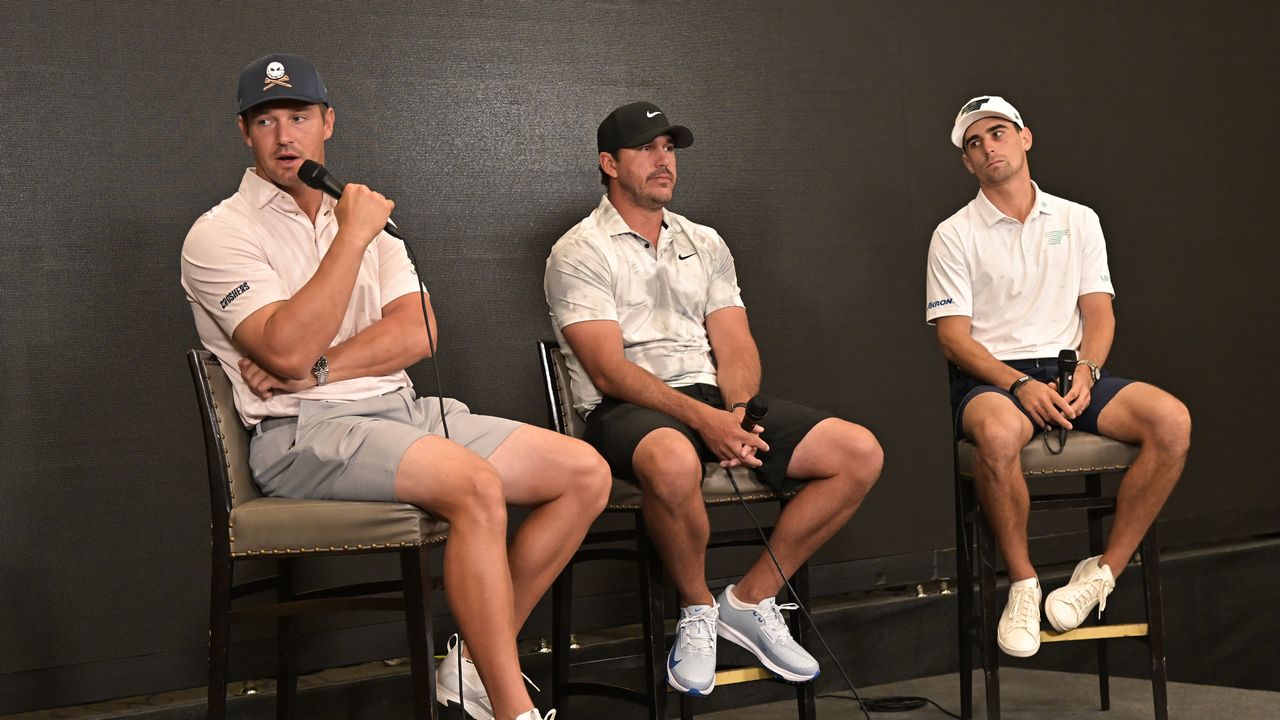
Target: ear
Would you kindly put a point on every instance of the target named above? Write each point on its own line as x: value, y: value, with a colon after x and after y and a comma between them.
x: 609, y: 164
x: 328, y: 122
x: 1026, y: 138
x: 244, y: 130
x: 968, y: 165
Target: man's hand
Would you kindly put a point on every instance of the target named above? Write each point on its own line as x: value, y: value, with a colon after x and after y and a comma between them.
x: 265, y: 385
x: 1045, y: 405
x: 362, y: 213
x: 1081, y: 393
x: 722, y: 432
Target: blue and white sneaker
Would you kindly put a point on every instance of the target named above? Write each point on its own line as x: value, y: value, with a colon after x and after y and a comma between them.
x: 691, y: 664
x: 763, y: 631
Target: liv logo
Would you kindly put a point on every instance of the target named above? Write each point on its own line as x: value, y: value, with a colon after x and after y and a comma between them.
x: 1055, y: 237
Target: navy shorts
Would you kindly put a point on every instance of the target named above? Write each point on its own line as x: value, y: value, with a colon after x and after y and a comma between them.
x: 615, y: 428
x: 965, y: 388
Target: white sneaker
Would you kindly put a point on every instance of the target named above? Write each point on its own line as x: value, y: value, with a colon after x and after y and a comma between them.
x: 533, y: 715
x: 472, y: 690
x: 763, y: 631
x: 1019, y: 631
x: 691, y: 664
x: 1069, y: 605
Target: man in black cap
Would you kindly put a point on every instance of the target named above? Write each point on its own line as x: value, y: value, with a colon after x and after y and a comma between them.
x: 661, y: 360
x: 315, y: 313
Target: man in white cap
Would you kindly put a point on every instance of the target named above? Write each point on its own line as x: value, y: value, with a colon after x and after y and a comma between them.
x: 315, y: 313
x: 1014, y: 277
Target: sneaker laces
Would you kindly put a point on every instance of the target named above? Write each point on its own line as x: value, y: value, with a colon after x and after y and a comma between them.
x: 454, y: 642
x: 1023, y: 610
x: 775, y: 626
x: 1087, y: 592
x: 697, y: 631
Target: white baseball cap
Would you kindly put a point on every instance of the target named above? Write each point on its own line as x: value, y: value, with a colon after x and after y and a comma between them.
x: 983, y: 106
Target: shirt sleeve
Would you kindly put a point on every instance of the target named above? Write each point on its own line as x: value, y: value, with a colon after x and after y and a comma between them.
x: 578, y: 284
x: 228, y: 274
x: 948, y: 285
x: 1095, y: 276
x: 396, y: 275
x: 722, y: 288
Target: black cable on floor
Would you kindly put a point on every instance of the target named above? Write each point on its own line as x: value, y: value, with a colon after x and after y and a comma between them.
x: 895, y: 703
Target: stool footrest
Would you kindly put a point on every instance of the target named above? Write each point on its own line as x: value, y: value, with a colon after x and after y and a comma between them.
x: 732, y: 676
x: 1097, y: 632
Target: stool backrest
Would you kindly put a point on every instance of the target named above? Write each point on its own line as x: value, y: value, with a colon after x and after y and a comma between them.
x: 226, y: 442
x: 560, y: 400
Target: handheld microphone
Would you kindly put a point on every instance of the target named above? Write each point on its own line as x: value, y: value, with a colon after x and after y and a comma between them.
x: 315, y: 175
x: 757, y: 408
x: 1066, y: 370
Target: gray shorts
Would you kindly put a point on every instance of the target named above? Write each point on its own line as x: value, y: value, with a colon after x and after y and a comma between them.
x: 350, y: 450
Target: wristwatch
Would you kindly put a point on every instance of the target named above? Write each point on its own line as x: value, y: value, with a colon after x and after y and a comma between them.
x: 1094, y: 371
x: 321, y: 370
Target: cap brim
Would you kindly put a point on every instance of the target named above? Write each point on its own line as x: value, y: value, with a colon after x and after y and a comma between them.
x: 680, y: 136
x: 278, y: 98
x: 962, y: 127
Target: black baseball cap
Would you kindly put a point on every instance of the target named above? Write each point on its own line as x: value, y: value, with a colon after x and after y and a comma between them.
x: 280, y: 76
x: 636, y: 124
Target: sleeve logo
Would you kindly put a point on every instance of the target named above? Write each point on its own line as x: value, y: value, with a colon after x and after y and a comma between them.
x: 240, y: 290
x: 939, y: 303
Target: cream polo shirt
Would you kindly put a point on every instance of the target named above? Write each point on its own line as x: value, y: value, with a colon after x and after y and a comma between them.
x: 1019, y: 282
x: 602, y: 270
x: 258, y: 247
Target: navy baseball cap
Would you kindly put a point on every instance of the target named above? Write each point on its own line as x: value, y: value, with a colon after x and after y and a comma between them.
x: 280, y: 76
x: 636, y: 124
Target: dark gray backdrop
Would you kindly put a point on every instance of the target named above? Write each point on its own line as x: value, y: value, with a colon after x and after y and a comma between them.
x: 821, y: 156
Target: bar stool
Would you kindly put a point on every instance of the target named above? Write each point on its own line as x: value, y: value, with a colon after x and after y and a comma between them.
x: 1085, y: 456
x: 627, y: 498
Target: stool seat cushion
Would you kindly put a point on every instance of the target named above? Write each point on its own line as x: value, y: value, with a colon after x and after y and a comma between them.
x: 1084, y: 454
x: 283, y: 526
x: 716, y: 489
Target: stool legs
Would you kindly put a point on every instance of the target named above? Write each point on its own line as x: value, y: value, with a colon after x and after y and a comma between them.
x: 1155, y: 622
x: 990, y: 615
x: 561, y: 613
x: 964, y: 599
x: 654, y: 622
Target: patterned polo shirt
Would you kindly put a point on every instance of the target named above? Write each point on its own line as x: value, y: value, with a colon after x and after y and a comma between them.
x: 659, y: 296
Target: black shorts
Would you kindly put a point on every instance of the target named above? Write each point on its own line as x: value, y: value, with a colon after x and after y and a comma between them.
x: 965, y: 388
x: 615, y: 428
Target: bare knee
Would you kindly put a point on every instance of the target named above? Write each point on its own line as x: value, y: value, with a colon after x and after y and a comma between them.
x: 864, y: 458
x: 668, y: 467
x: 478, y: 502
x: 999, y: 441
x: 588, y: 477
x: 1171, y: 432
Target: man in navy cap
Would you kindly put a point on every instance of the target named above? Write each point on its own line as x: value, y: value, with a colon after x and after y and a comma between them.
x: 1014, y: 277
x: 315, y: 313
x: 662, y: 362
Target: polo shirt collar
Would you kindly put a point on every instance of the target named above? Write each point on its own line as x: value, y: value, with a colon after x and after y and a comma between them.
x: 260, y: 193
x: 991, y: 215
x: 613, y: 223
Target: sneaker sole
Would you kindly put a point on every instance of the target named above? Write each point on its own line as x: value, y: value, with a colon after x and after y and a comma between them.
x: 671, y: 680
x: 449, y: 698
x: 1017, y: 653
x: 738, y: 639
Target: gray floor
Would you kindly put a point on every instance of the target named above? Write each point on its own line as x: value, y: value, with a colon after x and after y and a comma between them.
x: 1039, y: 694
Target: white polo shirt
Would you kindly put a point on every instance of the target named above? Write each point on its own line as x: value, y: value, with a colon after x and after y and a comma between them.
x: 1019, y: 282
x: 258, y: 247
x: 602, y: 270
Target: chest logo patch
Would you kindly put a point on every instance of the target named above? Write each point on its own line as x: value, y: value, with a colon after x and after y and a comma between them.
x: 1055, y: 237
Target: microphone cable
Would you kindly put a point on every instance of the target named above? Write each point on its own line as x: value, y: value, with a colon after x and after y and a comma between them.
x: 866, y: 705
x: 431, y: 348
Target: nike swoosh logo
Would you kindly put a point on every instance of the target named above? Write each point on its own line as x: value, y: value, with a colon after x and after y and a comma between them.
x: 652, y: 114
x: 686, y: 257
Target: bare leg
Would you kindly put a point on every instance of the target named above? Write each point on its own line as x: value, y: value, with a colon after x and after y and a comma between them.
x: 841, y: 462
x: 999, y: 431
x: 567, y: 484
x: 1157, y: 421
x: 671, y: 476
x: 458, y: 485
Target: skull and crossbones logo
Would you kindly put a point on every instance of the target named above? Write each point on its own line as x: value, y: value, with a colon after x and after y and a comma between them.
x: 276, y: 76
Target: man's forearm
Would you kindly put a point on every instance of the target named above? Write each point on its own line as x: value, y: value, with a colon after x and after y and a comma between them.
x: 738, y: 375
x: 631, y: 383
x: 389, y: 345
x: 978, y: 362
